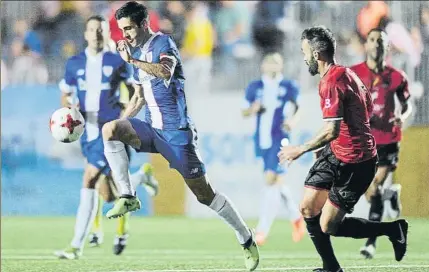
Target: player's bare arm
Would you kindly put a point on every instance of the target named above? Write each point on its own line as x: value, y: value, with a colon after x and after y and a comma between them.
x: 164, y: 69
x: 254, y: 109
x: 329, y: 132
x: 136, y: 103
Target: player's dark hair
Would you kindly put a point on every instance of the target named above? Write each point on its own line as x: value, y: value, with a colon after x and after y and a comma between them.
x: 135, y: 11
x: 377, y: 29
x: 320, y: 39
x: 98, y: 18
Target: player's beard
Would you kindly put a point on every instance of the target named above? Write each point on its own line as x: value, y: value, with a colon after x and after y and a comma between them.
x: 313, y: 66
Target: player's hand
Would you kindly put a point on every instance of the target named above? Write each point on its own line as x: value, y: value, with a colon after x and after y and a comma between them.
x: 397, y: 122
x: 256, y: 108
x: 290, y: 153
x: 287, y: 125
x: 124, y: 50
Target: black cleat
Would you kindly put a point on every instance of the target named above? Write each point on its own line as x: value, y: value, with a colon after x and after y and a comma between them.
x: 399, y: 240
x: 120, y: 244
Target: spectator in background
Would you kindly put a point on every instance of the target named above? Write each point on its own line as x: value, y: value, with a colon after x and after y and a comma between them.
x: 197, y: 48
x: 4, y: 75
x: 115, y: 32
x: 28, y: 68
x: 231, y: 26
x: 266, y: 34
x: 29, y: 36
x: 173, y: 20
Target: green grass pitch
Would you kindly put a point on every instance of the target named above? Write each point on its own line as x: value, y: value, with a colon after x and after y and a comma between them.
x: 181, y: 244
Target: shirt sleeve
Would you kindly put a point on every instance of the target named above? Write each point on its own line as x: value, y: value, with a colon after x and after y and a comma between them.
x: 169, y: 54
x: 293, y: 90
x: 250, y: 93
x: 68, y: 83
x: 332, y: 102
x: 402, y: 91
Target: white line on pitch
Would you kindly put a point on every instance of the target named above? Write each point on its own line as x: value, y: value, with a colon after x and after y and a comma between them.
x: 276, y: 268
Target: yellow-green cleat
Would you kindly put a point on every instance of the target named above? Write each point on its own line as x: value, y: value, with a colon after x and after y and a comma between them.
x: 123, y: 206
x: 150, y: 184
x: 69, y: 253
x: 251, y: 255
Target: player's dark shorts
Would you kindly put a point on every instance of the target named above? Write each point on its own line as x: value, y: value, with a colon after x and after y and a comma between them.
x: 346, y: 182
x: 388, y: 155
x: 178, y: 147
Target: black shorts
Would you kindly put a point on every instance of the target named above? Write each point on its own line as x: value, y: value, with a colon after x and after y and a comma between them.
x: 388, y: 155
x: 346, y: 182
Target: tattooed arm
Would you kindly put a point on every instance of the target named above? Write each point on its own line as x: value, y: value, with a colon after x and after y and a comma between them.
x: 329, y: 132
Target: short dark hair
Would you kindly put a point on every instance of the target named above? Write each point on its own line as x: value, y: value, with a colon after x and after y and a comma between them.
x: 135, y: 11
x: 98, y: 18
x: 377, y: 29
x: 320, y: 39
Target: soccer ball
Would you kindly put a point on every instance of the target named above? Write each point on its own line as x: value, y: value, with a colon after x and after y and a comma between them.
x: 67, y: 125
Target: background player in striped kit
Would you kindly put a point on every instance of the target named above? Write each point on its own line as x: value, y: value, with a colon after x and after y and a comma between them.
x: 269, y: 99
x: 94, y: 76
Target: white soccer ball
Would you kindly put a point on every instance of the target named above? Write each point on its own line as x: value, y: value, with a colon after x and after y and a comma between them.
x: 67, y: 125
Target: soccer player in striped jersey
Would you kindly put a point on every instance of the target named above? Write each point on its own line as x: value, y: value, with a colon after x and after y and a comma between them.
x: 94, y: 76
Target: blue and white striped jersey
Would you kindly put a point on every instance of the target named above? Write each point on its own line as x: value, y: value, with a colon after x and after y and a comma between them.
x: 166, y: 106
x: 274, y: 95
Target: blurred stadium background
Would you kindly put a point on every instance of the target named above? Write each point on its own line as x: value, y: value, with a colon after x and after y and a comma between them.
x: 41, y: 177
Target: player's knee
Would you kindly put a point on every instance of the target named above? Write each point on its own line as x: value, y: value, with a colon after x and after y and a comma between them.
x: 328, y: 227
x: 271, y: 178
x: 89, y: 181
x: 307, y: 210
x: 110, y: 131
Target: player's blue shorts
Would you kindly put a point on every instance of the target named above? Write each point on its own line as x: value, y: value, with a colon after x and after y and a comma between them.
x: 271, y: 161
x: 178, y: 147
x: 93, y: 151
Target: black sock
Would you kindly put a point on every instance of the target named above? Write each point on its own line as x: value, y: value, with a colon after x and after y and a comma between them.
x: 322, y: 242
x: 375, y: 213
x: 361, y: 228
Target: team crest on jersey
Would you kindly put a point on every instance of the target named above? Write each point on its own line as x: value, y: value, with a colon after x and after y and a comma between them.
x: 149, y: 56
x: 107, y: 70
x: 80, y: 72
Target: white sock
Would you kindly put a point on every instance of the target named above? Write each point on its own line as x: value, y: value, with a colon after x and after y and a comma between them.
x: 118, y: 161
x: 269, y: 208
x: 225, y: 209
x: 85, y: 216
x: 291, y: 206
x: 137, y: 178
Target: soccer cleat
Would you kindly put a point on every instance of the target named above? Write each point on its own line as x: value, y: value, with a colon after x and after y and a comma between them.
x: 123, y: 206
x: 150, y: 184
x: 119, y: 244
x: 298, y: 229
x: 95, y: 239
x: 368, y: 251
x: 399, y: 240
x: 260, y: 238
x: 395, y: 200
x: 251, y: 254
x: 69, y: 253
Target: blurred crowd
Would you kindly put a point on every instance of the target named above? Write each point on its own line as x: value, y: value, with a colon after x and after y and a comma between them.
x: 217, y: 39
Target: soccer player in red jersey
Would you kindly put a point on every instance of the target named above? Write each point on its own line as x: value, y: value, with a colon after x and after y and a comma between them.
x: 384, y: 83
x: 345, y: 169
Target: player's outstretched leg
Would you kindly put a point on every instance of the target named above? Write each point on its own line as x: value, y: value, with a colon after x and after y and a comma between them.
x: 115, y: 134
x: 298, y: 224
x: 144, y: 177
x: 85, y: 214
x: 226, y: 210
x: 311, y: 208
x: 271, y: 200
x: 374, y: 196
